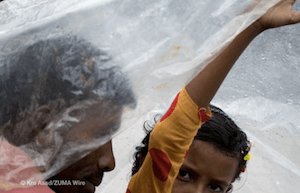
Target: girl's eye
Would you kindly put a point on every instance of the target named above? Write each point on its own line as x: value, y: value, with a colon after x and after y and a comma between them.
x: 184, y: 175
x: 216, y: 188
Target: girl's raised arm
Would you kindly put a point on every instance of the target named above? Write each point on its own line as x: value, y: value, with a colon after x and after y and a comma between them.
x: 205, y: 85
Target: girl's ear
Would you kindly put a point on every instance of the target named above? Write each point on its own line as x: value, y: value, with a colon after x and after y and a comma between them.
x: 230, y: 189
x: 25, y: 130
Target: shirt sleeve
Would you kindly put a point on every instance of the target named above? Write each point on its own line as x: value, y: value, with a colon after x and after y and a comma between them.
x: 169, y: 141
x: 34, y: 189
x: 16, y: 167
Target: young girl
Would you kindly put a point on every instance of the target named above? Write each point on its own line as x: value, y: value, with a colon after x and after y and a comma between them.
x: 170, y: 141
x: 218, y: 139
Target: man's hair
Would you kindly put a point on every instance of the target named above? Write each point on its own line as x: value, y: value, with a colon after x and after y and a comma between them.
x: 58, y: 72
x: 220, y: 131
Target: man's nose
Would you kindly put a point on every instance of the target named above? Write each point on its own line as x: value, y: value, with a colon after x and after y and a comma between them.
x: 106, y: 161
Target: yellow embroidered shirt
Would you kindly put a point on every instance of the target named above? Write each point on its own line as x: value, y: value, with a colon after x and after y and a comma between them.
x: 168, y: 144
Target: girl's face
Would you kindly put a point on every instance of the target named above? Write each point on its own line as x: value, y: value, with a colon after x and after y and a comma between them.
x: 205, y: 170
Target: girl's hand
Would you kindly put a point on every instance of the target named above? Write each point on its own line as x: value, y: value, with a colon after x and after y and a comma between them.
x: 279, y: 15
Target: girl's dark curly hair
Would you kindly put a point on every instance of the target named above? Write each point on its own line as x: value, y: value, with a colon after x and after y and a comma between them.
x: 220, y: 131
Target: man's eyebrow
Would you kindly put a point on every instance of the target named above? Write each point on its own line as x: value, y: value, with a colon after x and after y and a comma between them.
x: 110, y: 128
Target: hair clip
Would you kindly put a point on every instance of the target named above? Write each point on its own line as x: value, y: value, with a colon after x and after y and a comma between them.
x: 247, y: 157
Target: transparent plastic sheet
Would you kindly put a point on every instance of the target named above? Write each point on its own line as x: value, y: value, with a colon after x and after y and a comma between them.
x: 159, y: 46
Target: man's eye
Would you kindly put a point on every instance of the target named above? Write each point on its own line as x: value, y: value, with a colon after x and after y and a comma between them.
x: 216, y: 188
x: 184, y: 175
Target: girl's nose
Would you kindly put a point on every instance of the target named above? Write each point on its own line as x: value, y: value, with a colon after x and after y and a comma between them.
x: 200, y: 188
x: 106, y: 161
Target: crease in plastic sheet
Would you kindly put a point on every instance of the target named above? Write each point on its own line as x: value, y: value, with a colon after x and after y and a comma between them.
x: 159, y: 46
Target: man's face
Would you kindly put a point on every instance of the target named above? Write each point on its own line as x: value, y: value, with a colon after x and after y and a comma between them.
x: 87, y: 173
